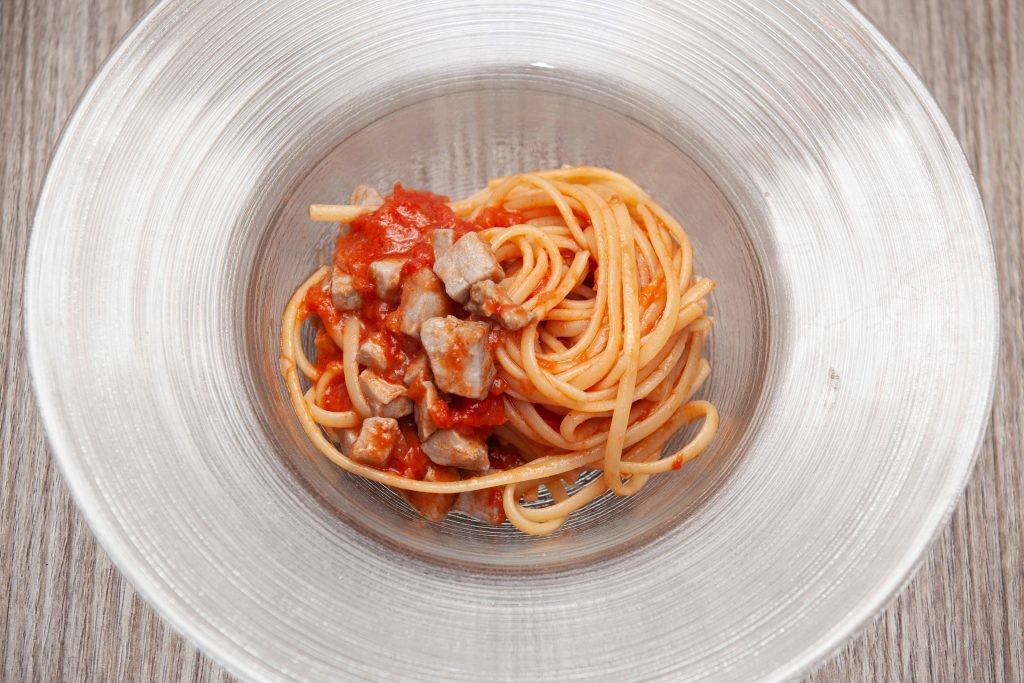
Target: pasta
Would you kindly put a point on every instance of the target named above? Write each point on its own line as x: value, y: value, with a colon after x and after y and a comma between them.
x: 566, y: 332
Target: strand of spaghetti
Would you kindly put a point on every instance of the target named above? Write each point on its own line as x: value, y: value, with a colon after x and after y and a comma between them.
x: 346, y: 213
x: 558, y: 390
x: 308, y: 369
x: 595, y: 400
x: 660, y: 369
x: 596, y: 488
x: 631, y: 351
x: 328, y: 418
x: 598, y: 249
x: 607, y: 287
x: 523, y: 415
x: 552, y: 264
x: 696, y: 446
x: 349, y: 351
x: 338, y: 213
x: 515, y: 514
x: 290, y: 330
x: 326, y: 377
x: 498, y: 193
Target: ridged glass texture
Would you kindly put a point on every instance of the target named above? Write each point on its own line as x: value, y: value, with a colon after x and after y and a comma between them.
x: 853, y: 351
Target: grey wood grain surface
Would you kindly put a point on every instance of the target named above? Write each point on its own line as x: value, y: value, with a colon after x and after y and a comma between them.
x: 67, y: 614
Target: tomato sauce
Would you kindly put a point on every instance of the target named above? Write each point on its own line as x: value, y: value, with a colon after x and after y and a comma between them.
x: 400, y: 227
x: 326, y: 350
x: 504, y: 457
x: 318, y: 300
x: 495, y: 217
x: 407, y: 458
x: 539, y: 288
x: 554, y: 420
x: 464, y: 413
x: 652, y: 292
x: 335, y: 397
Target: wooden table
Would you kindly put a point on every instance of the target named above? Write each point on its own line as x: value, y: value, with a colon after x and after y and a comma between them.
x: 68, y: 614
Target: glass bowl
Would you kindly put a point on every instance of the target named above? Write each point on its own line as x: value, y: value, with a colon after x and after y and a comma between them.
x: 853, y: 351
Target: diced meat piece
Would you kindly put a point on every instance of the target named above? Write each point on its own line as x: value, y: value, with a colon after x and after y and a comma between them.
x: 385, y: 399
x: 425, y: 426
x: 343, y: 292
x: 423, y: 298
x: 442, y: 239
x: 376, y: 438
x: 364, y: 195
x: 417, y: 371
x: 483, y: 505
x: 347, y: 439
x: 387, y: 277
x: 371, y: 354
x: 469, y: 260
x: 489, y: 300
x: 460, y: 357
x: 433, y: 506
x: 449, y: 447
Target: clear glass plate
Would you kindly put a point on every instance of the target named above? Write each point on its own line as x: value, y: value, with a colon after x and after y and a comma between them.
x: 853, y: 352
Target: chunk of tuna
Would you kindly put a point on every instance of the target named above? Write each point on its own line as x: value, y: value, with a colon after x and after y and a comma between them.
x: 433, y: 506
x: 489, y: 300
x: 469, y: 260
x: 442, y: 240
x: 417, y: 371
x: 425, y: 426
x: 376, y: 439
x: 449, y: 447
x: 423, y: 298
x: 364, y: 195
x: 387, y: 277
x: 347, y: 439
x: 385, y: 398
x: 343, y: 291
x: 460, y: 356
x: 371, y: 354
x: 482, y: 505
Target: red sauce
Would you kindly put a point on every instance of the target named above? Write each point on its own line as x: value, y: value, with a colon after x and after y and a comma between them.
x: 374, y: 311
x: 318, y: 301
x: 539, y: 288
x: 495, y: 217
x: 554, y: 420
x: 550, y: 365
x: 326, y: 350
x: 464, y: 413
x: 496, y: 502
x: 677, y: 464
x: 495, y: 506
x: 651, y: 292
x: 504, y: 457
x: 407, y: 458
x: 400, y: 227
x: 335, y: 397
